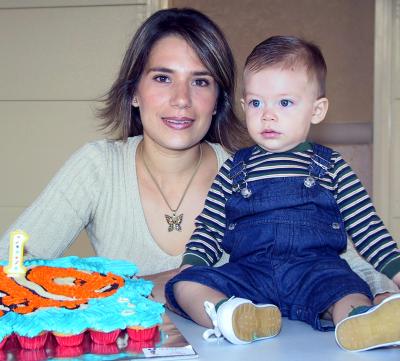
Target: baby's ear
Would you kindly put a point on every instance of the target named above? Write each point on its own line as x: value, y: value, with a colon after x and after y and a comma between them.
x: 242, y: 103
x: 319, y: 110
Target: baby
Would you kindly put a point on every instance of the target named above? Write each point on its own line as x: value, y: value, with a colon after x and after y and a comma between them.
x: 283, y: 209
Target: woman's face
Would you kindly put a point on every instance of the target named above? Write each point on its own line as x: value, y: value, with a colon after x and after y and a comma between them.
x: 176, y: 95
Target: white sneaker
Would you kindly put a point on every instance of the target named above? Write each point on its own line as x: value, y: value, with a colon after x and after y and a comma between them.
x: 379, y: 326
x: 240, y: 321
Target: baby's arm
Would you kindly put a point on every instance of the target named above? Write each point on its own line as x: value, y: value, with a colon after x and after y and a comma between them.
x: 365, y: 228
x: 204, y: 247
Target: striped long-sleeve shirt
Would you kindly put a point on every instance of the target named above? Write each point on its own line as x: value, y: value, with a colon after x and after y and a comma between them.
x: 364, y: 227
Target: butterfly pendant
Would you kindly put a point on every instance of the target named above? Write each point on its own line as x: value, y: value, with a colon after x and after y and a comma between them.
x: 174, y: 222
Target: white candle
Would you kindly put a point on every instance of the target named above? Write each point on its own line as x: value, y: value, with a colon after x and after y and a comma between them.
x: 15, y: 265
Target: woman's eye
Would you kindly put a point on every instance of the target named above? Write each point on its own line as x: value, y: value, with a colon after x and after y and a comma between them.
x: 285, y: 103
x: 255, y: 103
x: 201, y: 82
x: 162, y: 79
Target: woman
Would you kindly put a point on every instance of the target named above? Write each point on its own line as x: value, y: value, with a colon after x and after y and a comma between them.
x: 138, y: 196
x: 172, y: 107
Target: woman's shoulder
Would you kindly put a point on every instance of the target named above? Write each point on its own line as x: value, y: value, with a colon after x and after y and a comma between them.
x: 221, y: 153
x: 111, y: 144
x: 108, y: 149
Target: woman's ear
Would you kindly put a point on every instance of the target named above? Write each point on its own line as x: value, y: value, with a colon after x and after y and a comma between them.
x: 135, y: 102
x: 320, y: 108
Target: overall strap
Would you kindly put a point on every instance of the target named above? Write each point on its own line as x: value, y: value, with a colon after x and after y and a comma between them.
x: 320, y: 160
x: 238, y: 171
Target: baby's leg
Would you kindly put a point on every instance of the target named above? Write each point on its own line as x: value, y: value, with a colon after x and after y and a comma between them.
x: 341, y: 309
x: 238, y: 320
x: 201, y: 293
x: 191, y: 297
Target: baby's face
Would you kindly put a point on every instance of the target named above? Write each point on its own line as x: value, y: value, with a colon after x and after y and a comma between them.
x: 280, y: 105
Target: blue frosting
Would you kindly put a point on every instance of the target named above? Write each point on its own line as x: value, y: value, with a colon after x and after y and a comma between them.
x: 6, y: 329
x: 129, y: 306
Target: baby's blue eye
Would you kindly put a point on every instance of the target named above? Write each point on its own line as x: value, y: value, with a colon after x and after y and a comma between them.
x: 254, y: 103
x: 285, y: 103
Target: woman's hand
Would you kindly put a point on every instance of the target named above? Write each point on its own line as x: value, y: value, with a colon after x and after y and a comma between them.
x: 396, y: 279
x: 381, y: 296
x: 159, y: 280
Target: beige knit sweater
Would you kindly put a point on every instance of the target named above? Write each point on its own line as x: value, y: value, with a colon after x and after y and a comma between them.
x: 96, y: 189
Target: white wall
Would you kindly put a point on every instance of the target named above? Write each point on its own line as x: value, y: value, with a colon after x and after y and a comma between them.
x: 57, y: 58
x: 387, y: 113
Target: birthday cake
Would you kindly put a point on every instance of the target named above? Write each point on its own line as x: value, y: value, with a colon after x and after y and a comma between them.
x: 71, y: 296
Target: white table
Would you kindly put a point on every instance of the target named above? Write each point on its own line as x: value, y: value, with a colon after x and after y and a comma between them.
x: 296, y: 341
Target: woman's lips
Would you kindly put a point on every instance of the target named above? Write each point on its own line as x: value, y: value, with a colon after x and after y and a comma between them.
x: 178, y: 122
x: 270, y: 134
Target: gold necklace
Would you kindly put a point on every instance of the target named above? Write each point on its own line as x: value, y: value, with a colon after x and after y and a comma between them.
x: 174, y: 221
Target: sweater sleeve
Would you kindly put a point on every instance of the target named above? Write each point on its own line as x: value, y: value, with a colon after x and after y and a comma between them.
x: 204, y: 247
x: 64, y: 208
x: 365, y: 228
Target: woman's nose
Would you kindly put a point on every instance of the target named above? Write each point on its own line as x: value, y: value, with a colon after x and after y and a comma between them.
x: 181, y: 97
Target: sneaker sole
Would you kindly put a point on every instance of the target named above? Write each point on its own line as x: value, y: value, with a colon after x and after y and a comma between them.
x: 251, y: 323
x: 378, y: 328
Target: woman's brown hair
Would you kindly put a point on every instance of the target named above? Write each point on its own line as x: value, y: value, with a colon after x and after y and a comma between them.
x: 210, y: 45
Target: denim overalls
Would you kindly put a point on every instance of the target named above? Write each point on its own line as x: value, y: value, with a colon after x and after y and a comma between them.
x: 284, y: 236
